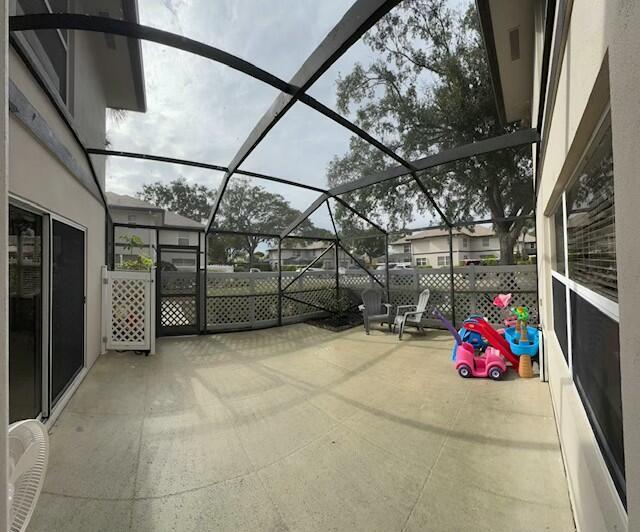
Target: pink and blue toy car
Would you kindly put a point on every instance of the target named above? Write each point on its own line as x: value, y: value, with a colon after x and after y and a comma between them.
x: 491, y: 364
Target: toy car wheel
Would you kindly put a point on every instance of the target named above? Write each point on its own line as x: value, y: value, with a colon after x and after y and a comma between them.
x: 495, y: 373
x: 464, y: 371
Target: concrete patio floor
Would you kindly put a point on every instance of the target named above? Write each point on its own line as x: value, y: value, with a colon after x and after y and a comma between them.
x: 297, y: 428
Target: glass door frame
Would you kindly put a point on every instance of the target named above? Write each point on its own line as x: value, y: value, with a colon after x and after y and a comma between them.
x: 48, y: 411
x: 46, y: 298
x: 67, y: 392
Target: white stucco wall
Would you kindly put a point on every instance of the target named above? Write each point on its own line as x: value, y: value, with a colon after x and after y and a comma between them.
x: 37, y: 177
x: 89, y: 98
x: 624, y: 58
x: 170, y: 237
x: 583, y: 93
x: 4, y: 270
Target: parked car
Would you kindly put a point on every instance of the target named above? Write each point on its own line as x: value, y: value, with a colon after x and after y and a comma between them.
x: 396, y: 266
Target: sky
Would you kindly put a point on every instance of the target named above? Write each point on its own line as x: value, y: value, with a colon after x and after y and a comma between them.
x: 203, y: 111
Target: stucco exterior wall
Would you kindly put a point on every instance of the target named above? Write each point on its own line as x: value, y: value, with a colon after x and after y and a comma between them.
x: 478, y: 248
x: 170, y: 237
x: 37, y: 177
x: 463, y: 247
x: 4, y: 269
x: 624, y: 62
x: 89, y: 98
x: 582, y: 97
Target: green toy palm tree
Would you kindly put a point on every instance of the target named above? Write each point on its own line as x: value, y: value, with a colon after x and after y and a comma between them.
x: 522, y: 313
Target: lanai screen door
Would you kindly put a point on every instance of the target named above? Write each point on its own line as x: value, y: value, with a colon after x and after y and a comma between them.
x: 178, y: 301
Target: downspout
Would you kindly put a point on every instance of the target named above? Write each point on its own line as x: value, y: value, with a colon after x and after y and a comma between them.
x: 336, y: 248
x: 386, y: 268
x: 452, y: 290
x: 4, y: 271
x: 279, y: 281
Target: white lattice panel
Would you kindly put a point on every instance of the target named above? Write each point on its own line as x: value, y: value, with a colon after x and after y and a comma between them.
x: 249, y: 300
x: 178, y: 311
x: 128, y: 309
x: 229, y: 312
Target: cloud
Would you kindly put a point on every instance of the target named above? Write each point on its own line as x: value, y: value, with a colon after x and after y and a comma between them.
x: 203, y: 111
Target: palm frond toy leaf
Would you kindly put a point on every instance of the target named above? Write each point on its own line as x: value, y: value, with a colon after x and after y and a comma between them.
x: 522, y: 315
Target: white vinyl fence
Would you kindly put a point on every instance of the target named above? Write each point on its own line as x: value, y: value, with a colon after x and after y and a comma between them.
x: 128, y: 310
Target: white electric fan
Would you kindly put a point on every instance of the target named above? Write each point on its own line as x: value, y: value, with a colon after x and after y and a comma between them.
x: 28, y: 458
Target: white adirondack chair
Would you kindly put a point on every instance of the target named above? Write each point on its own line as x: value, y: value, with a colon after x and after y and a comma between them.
x: 411, y: 314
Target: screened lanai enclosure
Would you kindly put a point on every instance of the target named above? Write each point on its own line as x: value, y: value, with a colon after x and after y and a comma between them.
x: 319, y: 162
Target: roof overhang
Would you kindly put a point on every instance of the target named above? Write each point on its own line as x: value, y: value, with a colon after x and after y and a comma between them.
x: 508, y: 29
x: 120, y: 58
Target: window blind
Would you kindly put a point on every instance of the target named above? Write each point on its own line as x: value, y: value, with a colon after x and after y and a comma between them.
x: 591, y: 239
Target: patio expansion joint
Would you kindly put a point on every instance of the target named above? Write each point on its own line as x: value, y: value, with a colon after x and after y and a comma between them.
x: 254, y: 470
x: 435, y: 462
x: 139, y: 451
x: 150, y: 497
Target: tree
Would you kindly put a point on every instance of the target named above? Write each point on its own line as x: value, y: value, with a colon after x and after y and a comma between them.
x: 192, y: 201
x: 244, y: 208
x: 369, y: 242
x: 251, y: 209
x: 428, y: 89
x: 140, y: 261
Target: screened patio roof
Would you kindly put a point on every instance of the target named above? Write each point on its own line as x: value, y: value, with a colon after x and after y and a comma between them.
x: 283, y: 105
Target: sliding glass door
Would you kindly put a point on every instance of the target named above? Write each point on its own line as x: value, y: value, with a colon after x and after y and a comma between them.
x: 25, y: 314
x: 67, y: 306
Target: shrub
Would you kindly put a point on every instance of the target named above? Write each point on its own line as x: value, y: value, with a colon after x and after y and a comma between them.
x: 489, y: 261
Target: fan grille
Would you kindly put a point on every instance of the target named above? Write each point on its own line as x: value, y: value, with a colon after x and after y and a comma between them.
x: 28, y: 485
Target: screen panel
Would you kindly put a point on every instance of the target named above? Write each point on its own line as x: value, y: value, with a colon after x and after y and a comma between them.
x: 304, y: 146
x: 279, y: 44
x: 595, y: 343
x: 560, y: 316
x: 67, y: 306
x: 419, y: 81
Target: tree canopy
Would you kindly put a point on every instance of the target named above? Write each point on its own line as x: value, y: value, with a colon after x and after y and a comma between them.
x: 190, y: 200
x: 428, y: 89
x: 244, y: 208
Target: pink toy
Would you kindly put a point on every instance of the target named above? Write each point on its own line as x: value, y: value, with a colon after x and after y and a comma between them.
x: 491, y: 364
x: 482, y: 326
x: 502, y: 301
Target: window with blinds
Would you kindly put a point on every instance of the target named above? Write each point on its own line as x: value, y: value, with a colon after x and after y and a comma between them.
x: 591, y: 238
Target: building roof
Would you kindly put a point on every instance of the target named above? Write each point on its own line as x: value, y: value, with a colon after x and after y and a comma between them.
x: 129, y: 202
x: 170, y: 219
x: 175, y: 219
x: 478, y: 231
x: 119, y: 58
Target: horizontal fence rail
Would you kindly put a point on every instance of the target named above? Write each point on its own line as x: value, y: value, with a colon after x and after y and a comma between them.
x: 250, y: 300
